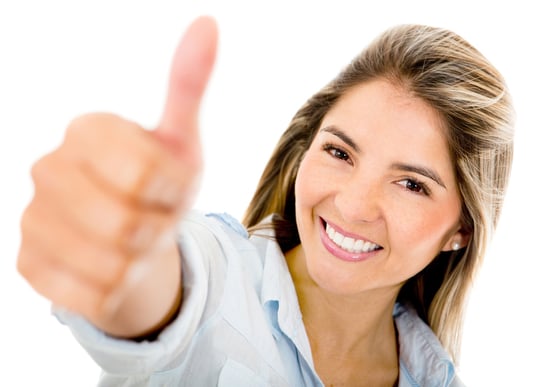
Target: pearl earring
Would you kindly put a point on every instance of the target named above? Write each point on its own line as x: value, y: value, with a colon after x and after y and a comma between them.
x: 455, y: 246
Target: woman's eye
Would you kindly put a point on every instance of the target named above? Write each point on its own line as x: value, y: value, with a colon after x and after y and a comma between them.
x: 414, y: 186
x: 336, y: 152
x: 340, y: 154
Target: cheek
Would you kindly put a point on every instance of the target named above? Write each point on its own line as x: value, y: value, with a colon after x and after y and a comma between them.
x: 302, y: 193
x: 309, y: 184
x: 424, y: 230
x: 300, y: 187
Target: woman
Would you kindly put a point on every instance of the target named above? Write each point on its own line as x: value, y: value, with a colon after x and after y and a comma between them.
x: 366, y: 229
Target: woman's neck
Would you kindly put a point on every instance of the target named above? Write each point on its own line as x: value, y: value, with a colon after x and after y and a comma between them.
x: 347, y: 333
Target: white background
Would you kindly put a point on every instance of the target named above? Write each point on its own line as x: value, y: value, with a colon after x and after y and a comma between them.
x: 59, y: 59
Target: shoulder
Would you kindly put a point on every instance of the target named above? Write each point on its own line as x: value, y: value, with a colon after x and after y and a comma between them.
x: 423, y: 359
x: 223, y: 248
x: 195, y: 222
x: 212, y: 235
x: 227, y: 233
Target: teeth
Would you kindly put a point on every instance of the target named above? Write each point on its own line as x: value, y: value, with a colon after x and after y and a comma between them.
x: 349, y: 244
x: 338, y: 238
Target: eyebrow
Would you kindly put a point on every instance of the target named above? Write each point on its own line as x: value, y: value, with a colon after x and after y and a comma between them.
x: 427, y: 172
x: 342, y: 136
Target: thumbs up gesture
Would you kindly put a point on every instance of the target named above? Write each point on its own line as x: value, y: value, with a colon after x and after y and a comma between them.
x: 97, y: 234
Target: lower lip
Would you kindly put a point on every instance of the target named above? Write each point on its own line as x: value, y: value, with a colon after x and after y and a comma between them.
x: 340, y: 253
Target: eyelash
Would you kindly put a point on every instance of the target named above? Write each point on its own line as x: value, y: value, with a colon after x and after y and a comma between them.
x: 337, y: 152
x: 422, y: 188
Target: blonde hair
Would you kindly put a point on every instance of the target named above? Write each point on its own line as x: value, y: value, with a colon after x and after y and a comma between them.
x: 472, y: 99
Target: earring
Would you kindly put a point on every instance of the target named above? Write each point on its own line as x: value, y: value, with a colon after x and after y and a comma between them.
x: 455, y: 246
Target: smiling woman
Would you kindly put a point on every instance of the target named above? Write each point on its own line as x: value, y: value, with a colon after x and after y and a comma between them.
x: 357, y: 251
x: 408, y: 150
x: 350, y: 195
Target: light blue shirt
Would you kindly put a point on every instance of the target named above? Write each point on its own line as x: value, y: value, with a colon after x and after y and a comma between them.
x: 240, y: 324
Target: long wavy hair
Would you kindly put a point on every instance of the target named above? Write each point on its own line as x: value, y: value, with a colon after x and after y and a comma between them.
x: 472, y: 98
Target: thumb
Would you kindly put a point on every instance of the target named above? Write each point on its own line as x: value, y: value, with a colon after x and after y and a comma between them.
x: 190, y: 72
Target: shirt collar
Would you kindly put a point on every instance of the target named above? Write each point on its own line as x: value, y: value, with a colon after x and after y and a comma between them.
x: 423, y: 360
x: 278, y: 295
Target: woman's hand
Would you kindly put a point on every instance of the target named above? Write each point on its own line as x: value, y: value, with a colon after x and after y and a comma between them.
x: 97, y: 237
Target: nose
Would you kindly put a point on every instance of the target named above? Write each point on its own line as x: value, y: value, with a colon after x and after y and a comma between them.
x: 360, y: 199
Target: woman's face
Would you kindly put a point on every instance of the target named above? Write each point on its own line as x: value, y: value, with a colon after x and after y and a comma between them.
x: 376, y: 195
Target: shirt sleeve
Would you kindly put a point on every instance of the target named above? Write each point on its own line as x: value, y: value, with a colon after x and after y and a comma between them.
x: 137, y: 359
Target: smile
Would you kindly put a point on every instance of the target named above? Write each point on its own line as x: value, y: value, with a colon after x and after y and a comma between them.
x: 347, y: 247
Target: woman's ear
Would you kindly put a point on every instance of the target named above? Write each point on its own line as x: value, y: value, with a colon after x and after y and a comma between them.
x: 458, y: 240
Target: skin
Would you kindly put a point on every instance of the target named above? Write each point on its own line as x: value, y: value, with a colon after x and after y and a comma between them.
x: 127, y: 187
x: 378, y: 170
